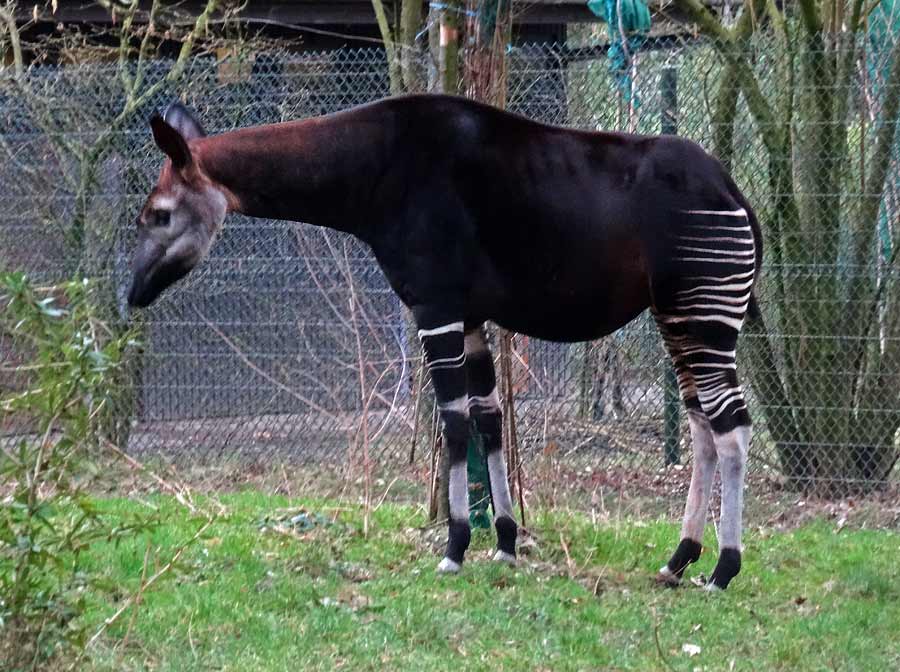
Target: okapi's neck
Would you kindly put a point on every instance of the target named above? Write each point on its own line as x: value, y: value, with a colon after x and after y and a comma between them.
x: 319, y: 171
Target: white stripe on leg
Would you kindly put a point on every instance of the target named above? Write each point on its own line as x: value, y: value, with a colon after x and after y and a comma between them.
x: 487, y: 402
x: 458, y: 405
x: 475, y: 342
x: 459, y: 492
x: 448, y: 566
x: 437, y: 331
x: 499, y: 484
x: 504, y: 557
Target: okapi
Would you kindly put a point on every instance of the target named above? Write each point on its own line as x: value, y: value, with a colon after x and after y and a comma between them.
x: 476, y: 214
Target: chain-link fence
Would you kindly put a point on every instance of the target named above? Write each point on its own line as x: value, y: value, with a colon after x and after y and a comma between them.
x: 287, y: 343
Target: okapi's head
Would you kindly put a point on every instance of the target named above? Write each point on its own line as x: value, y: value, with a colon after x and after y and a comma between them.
x: 182, y: 214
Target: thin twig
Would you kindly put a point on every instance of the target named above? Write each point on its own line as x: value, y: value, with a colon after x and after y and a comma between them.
x: 124, y: 643
x: 436, y: 447
x: 284, y: 478
x: 384, y: 496
x: 152, y: 580
x: 249, y: 363
x: 570, y: 566
x: 659, y: 649
x: 420, y: 386
x: 181, y: 494
x: 190, y: 636
x: 7, y: 15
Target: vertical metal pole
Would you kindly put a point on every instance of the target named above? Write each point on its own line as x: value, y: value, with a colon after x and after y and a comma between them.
x: 668, y: 97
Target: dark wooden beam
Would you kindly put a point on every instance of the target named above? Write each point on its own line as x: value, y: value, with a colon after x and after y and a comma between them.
x: 353, y: 12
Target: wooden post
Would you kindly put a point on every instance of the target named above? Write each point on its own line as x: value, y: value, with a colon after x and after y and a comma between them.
x: 449, y: 46
x: 487, y: 29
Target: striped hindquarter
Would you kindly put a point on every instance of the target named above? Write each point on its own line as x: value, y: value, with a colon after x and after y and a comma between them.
x: 700, y: 315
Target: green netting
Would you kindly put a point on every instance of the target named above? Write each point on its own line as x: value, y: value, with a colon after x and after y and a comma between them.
x: 479, y: 486
x: 628, y: 22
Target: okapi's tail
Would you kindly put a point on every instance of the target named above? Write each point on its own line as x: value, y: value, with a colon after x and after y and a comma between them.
x: 753, y: 311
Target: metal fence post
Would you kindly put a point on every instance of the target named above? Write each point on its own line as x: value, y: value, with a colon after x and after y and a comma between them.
x: 668, y: 98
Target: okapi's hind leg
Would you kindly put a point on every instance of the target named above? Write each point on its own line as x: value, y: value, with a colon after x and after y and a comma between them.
x: 720, y: 432
x: 484, y: 406
x: 703, y: 469
x: 700, y: 311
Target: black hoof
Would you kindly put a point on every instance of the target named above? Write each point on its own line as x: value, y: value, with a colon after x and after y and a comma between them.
x: 460, y: 534
x: 506, y: 535
x: 688, y: 552
x: 728, y: 567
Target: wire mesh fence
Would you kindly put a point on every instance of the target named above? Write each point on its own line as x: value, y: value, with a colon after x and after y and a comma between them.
x: 288, y: 336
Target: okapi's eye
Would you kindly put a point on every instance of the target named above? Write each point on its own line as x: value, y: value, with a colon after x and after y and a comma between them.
x: 162, y: 217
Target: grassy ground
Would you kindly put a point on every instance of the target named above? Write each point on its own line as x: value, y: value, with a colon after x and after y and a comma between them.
x: 323, y: 597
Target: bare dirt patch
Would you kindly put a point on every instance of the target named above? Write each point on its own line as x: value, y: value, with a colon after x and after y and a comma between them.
x: 550, y: 483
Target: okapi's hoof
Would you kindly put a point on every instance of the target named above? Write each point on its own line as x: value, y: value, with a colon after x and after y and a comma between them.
x: 448, y: 566
x: 712, y: 588
x: 505, y: 558
x: 728, y: 567
x: 666, y: 577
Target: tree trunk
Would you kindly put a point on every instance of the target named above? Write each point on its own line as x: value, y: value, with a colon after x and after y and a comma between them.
x: 830, y: 404
x: 410, y: 50
x: 391, y: 51
x: 448, y: 62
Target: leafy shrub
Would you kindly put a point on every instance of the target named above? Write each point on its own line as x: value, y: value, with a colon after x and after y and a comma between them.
x: 68, y: 402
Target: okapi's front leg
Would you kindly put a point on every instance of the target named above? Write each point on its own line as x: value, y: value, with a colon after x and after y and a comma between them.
x: 484, y: 405
x: 445, y: 357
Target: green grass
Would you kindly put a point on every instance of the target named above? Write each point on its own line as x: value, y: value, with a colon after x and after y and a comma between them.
x: 249, y: 599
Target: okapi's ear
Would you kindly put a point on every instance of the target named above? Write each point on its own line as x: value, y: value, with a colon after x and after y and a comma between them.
x: 180, y: 118
x: 171, y: 142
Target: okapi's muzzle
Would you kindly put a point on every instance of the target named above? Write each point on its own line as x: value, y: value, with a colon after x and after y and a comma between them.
x: 154, y: 271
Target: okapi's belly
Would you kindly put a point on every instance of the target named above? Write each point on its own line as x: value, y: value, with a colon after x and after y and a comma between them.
x: 577, y: 315
x: 566, y: 290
